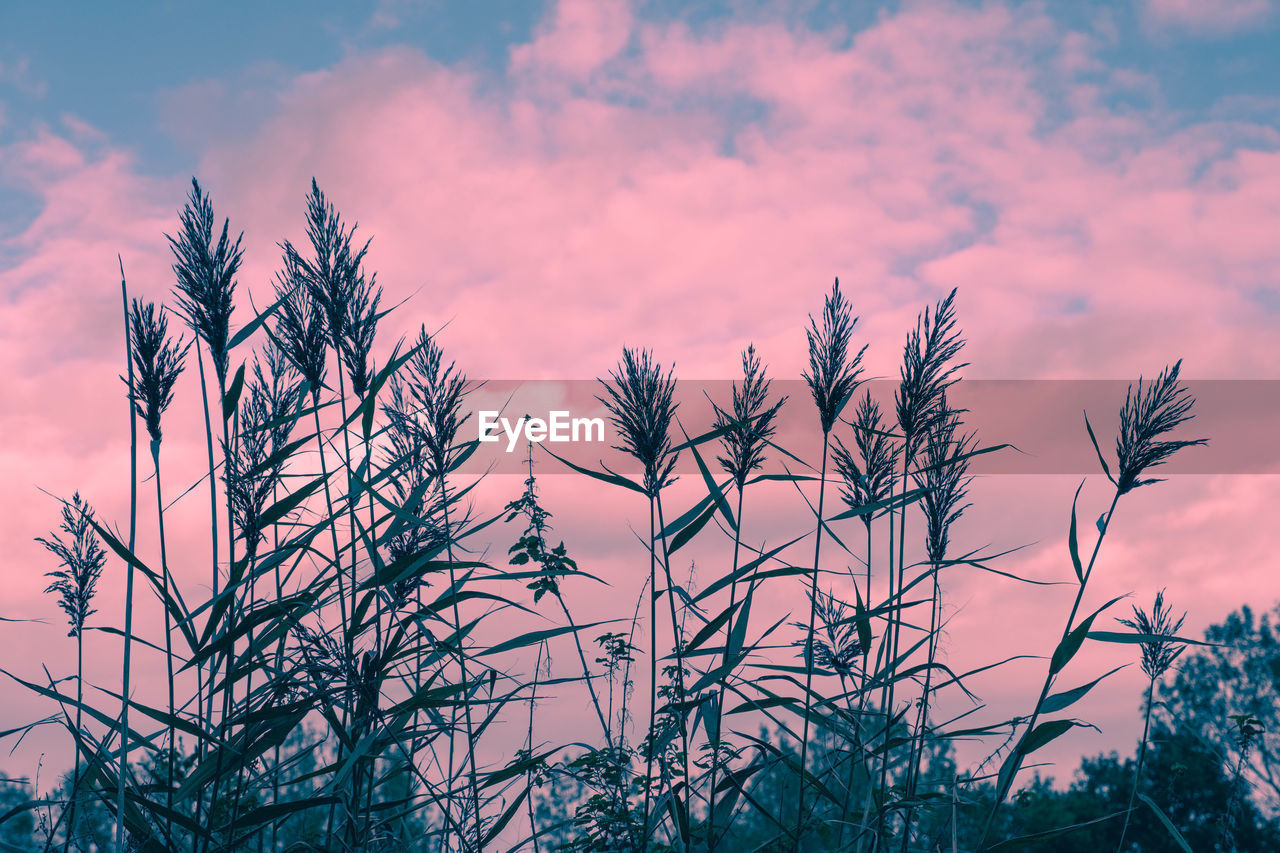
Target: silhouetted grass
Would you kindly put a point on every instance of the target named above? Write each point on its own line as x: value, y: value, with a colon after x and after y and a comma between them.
x: 355, y: 658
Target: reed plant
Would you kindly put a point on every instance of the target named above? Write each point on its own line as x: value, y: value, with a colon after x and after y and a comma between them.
x: 157, y: 363
x: 75, y: 583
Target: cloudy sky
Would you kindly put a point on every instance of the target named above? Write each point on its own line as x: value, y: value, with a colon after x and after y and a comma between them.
x: 550, y: 181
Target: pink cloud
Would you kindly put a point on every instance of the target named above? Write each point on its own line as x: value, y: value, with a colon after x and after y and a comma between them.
x: 1207, y: 19
x: 580, y: 36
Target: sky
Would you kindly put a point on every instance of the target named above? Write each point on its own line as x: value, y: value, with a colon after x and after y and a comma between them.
x: 550, y: 181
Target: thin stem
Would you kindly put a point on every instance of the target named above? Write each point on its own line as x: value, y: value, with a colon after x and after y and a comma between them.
x: 916, y: 754
x: 462, y: 661
x: 122, y: 780
x: 168, y: 638
x: 75, y: 778
x: 1137, y: 770
x: 862, y: 703
x: 719, y: 711
x: 533, y: 695
x: 1002, y: 790
x: 337, y: 562
x: 677, y: 640
x: 653, y: 670
x: 808, y: 664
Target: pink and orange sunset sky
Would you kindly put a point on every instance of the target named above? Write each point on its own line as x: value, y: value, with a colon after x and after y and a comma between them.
x: 550, y: 181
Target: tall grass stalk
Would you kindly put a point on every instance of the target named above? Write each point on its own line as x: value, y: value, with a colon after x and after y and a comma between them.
x: 832, y: 377
x: 157, y: 363
x: 123, y: 775
x: 944, y: 484
x: 747, y: 431
x: 868, y: 484
x: 928, y: 369
x: 1158, y: 654
x: 81, y: 560
x: 206, y: 280
x: 1149, y: 414
x: 641, y: 407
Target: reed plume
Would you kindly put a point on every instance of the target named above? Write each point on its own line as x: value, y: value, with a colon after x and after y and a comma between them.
x: 300, y: 330
x: 157, y: 362
x: 1146, y: 416
x: 751, y: 423
x: 834, y: 371
x: 81, y: 561
x: 944, y: 482
x: 206, y: 272
x: 868, y: 477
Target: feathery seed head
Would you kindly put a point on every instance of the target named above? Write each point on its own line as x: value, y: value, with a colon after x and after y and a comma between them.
x: 206, y: 273
x: 157, y: 361
x: 751, y: 424
x: 640, y: 405
x: 927, y: 372
x: 1146, y: 416
x: 836, y: 646
x: 833, y: 373
x: 868, y: 479
x: 1157, y: 655
x: 334, y: 275
x: 431, y: 395
x: 300, y: 324
x: 359, y: 329
x: 252, y: 467
x: 82, y: 560
x: 409, y: 473
x: 944, y: 477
